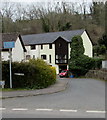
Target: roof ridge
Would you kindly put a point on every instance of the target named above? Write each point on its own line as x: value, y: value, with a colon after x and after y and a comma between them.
x: 56, y: 32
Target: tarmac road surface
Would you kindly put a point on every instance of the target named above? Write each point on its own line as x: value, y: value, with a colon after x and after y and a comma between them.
x: 83, y: 98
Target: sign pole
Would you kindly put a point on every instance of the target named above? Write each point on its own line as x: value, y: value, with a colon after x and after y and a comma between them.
x: 10, y: 45
x: 10, y: 67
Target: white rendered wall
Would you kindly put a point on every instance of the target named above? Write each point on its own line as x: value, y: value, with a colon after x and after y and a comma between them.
x: 69, y: 50
x: 46, y: 51
x: 34, y: 52
x: 87, y: 45
x: 5, y: 56
x: 18, y: 52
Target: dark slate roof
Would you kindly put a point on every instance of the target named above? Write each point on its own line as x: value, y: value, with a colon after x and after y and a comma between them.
x: 50, y: 37
x: 8, y: 37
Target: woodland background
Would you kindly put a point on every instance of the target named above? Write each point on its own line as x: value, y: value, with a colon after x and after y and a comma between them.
x: 60, y: 16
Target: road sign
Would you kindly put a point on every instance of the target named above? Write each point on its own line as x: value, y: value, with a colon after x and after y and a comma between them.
x: 20, y: 74
x: 9, y: 44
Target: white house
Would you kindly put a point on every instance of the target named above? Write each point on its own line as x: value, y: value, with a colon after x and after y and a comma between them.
x: 54, y: 47
x: 18, y: 52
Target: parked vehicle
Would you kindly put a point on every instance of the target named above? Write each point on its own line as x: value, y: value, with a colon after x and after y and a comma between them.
x: 65, y: 73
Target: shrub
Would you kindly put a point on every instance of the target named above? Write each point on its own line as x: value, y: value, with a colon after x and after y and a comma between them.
x: 37, y: 74
x: 97, y: 63
x: 80, y: 64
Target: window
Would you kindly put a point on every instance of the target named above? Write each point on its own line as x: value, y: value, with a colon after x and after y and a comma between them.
x: 60, y: 44
x: 27, y: 57
x: 43, y: 57
x: 61, y: 59
x: 41, y: 46
x: 33, y: 47
x: 33, y: 56
x: 50, y: 58
x: 50, y: 46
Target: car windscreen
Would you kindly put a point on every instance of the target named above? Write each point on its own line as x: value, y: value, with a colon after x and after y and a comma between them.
x: 63, y: 71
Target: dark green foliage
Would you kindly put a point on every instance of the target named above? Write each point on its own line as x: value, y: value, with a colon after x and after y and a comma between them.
x: 103, y: 40
x: 77, y: 48
x: 97, y: 63
x: 37, y: 74
x: 99, y: 50
x: 80, y: 64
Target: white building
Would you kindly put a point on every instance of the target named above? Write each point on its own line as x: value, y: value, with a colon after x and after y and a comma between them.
x: 54, y: 47
x: 18, y: 52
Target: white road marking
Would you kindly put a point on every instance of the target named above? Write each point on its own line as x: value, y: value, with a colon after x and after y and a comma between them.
x: 61, y: 110
x: 20, y: 109
x: 92, y: 111
x: 64, y: 110
x: 2, y: 108
x: 44, y: 109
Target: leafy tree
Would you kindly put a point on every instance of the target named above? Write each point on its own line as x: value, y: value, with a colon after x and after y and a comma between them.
x: 103, y: 40
x: 79, y: 63
x: 102, y: 49
x: 96, y: 50
x: 99, y: 50
x: 77, y: 48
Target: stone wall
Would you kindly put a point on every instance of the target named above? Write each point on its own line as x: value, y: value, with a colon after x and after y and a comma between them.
x: 100, y: 74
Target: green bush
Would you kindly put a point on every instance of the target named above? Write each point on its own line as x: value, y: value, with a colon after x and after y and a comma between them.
x: 81, y: 66
x: 37, y: 74
x: 97, y: 63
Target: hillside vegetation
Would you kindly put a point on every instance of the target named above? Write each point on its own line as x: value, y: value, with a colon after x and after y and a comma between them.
x: 34, y: 18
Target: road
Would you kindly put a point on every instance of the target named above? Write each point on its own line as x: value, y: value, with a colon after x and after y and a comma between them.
x: 83, y: 98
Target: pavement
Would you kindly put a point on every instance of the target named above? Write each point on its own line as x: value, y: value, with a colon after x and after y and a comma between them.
x: 59, y: 86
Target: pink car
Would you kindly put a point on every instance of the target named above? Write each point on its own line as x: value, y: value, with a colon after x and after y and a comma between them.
x: 65, y: 73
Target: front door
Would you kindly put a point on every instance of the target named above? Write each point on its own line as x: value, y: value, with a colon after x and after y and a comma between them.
x: 62, y: 67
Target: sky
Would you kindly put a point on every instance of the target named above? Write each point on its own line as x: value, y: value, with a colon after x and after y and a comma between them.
x: 46, y: 1
x: 75, y: 1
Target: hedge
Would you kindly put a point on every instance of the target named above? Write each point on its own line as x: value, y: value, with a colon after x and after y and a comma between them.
x: 37, y: 74
x: 83, y: 64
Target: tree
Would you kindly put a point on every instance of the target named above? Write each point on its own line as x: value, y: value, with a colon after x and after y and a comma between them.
x: 77, y: 48
x: 103, y: 45
x: 103, y: 40
x: 79, y: 63
x: 99, y: 50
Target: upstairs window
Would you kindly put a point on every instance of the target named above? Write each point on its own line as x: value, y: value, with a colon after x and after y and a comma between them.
x: 60, y: 45
x: 50, y: 46
x: 41, y: 46
x: 33, y: 47
x: 43, y: 57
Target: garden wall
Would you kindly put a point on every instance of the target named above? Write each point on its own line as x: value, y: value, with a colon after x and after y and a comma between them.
x: 100, y: 74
